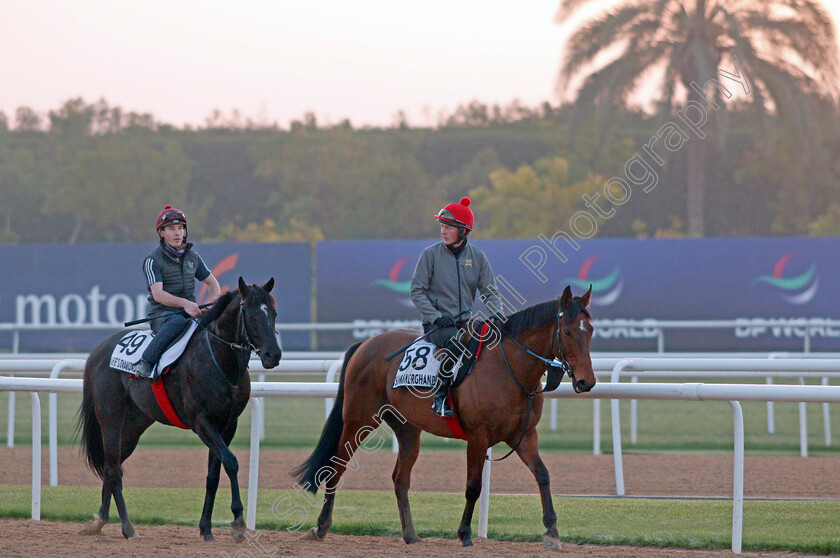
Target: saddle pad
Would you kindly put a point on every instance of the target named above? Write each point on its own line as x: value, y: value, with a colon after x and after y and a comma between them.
x: 419, y: 366
x: 129, y: 350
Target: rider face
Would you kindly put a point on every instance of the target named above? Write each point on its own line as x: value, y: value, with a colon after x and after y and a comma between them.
x: 173, y: 235
x: 449, y: 234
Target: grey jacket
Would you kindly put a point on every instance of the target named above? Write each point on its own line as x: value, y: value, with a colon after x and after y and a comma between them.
x: 444, y: 284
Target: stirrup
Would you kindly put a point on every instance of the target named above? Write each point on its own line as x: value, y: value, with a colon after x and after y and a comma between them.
x: 440, y: 407
x: 144, y: 369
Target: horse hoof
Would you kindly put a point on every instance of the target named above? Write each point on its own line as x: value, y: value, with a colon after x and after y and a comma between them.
x: 551, y: 542
x: 94, y: 527
x: 312, y: 535
x: 208, y: 537
x: 412, y: 539
x: 128, y: 531
x: 466, y: 542
x: 237, y: 529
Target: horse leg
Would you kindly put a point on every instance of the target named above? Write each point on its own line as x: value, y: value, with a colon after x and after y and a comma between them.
x: 100, y: 519
x: 113, y: 477
x: 211, y: 437
x: 343, y: 458
x: 528, y: 452
x: 476, y: 453
x: 408, y: 437
x: 129, y: 435
x: 214, y: 466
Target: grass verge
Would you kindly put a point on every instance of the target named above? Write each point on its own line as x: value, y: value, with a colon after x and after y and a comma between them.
x: 793, y: 526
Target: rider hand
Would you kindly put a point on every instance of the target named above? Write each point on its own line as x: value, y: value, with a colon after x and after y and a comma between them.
x: 192, y: 309
x: 445, y: 321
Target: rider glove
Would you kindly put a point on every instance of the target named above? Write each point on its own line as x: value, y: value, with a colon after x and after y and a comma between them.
x: 445, y: 321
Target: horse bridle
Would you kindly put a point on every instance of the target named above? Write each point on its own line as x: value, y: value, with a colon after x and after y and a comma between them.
x: 552, y: 382
x: 241, y: 326
x: 565, y: 367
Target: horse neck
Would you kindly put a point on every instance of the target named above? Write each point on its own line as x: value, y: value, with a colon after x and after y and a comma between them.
x: 527, y: 369
x: 227, y: 327
x: 228, y: 323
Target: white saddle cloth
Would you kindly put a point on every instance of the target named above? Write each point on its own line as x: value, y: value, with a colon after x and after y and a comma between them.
x: 129, y: 350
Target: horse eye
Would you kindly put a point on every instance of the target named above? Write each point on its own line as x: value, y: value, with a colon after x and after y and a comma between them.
x: 567, y: 332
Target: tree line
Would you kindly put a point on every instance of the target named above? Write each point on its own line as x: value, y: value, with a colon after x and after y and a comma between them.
x: 90, y: 172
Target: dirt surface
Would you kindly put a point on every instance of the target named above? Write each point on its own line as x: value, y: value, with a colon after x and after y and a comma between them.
x: 47, y: 539
x: 645, y: 475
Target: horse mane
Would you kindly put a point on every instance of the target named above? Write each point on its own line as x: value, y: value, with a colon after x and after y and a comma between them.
x: 542, y: 314
x: 216, y: 310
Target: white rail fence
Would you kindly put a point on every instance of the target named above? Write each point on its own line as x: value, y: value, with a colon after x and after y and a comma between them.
x: 806, y: 329
x: 733, y: 393
x: 54, y: 367
x: 603, y: 366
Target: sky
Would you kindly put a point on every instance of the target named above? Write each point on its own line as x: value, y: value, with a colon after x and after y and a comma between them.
x: 274, y: 60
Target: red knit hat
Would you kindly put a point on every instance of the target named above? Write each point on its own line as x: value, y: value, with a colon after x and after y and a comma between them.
x: 457, y: 214
x: 170, y: 216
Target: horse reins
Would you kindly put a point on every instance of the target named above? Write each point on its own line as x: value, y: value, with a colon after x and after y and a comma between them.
x: 549, y: 386
x: 240, y: 327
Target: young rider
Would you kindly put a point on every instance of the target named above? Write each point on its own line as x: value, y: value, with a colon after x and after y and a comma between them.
x: 170, y: 271
x: 444, y: 285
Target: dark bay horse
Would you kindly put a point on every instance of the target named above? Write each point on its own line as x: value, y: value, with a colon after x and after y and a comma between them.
x: 498, y: 402
x: 208, y: 387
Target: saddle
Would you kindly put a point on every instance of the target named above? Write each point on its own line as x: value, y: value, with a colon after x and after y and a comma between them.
x: 421, y: 360
x: 129, y: 349
x: 467, y: 358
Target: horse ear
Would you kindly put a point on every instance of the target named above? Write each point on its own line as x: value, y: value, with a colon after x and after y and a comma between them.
x: 566, y: 297
x: 586, y: 297
x: 243, y: 288
x: 268, y: 286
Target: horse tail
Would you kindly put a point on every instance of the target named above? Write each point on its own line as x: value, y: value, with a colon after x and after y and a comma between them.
x: 330, y: 437
x: 88, y: 426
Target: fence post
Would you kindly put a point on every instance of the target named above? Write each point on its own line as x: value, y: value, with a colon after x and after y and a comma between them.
x: 36, y: 455
x: 616, y: 430
x: 254, y: 463
x: 738, y: 477
x: 803, y: 426
x: 53, y: 423
x: 826, y: 417
x: 484, y: 499
x: 10, y: 433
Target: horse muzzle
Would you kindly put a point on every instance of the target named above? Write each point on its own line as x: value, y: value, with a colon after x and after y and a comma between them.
x: 582, y: 386
x: 270, y: 359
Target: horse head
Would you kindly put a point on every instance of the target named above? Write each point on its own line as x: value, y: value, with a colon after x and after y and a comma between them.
x: 573, y: 336
x: 258, y: 314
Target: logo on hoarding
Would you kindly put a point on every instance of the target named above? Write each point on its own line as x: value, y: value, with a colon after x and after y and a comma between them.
x: 393, y: 284
x: 227, y: 264
x: 799, y: 289
x: 605, y: 290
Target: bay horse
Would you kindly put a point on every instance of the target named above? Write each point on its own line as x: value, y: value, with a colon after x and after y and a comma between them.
x: 499, y: 401
x: 208, y: 388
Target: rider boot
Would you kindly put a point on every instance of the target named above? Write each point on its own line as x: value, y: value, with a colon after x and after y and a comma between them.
x: 445, y: 375
x: 144, y: 369
x: 167, y: 330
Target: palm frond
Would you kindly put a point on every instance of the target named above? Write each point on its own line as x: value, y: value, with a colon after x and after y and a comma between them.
x: 567, y: 8
x: 596, y: 37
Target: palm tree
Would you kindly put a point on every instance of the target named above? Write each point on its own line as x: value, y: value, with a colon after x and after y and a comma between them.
x: 786, y: 47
